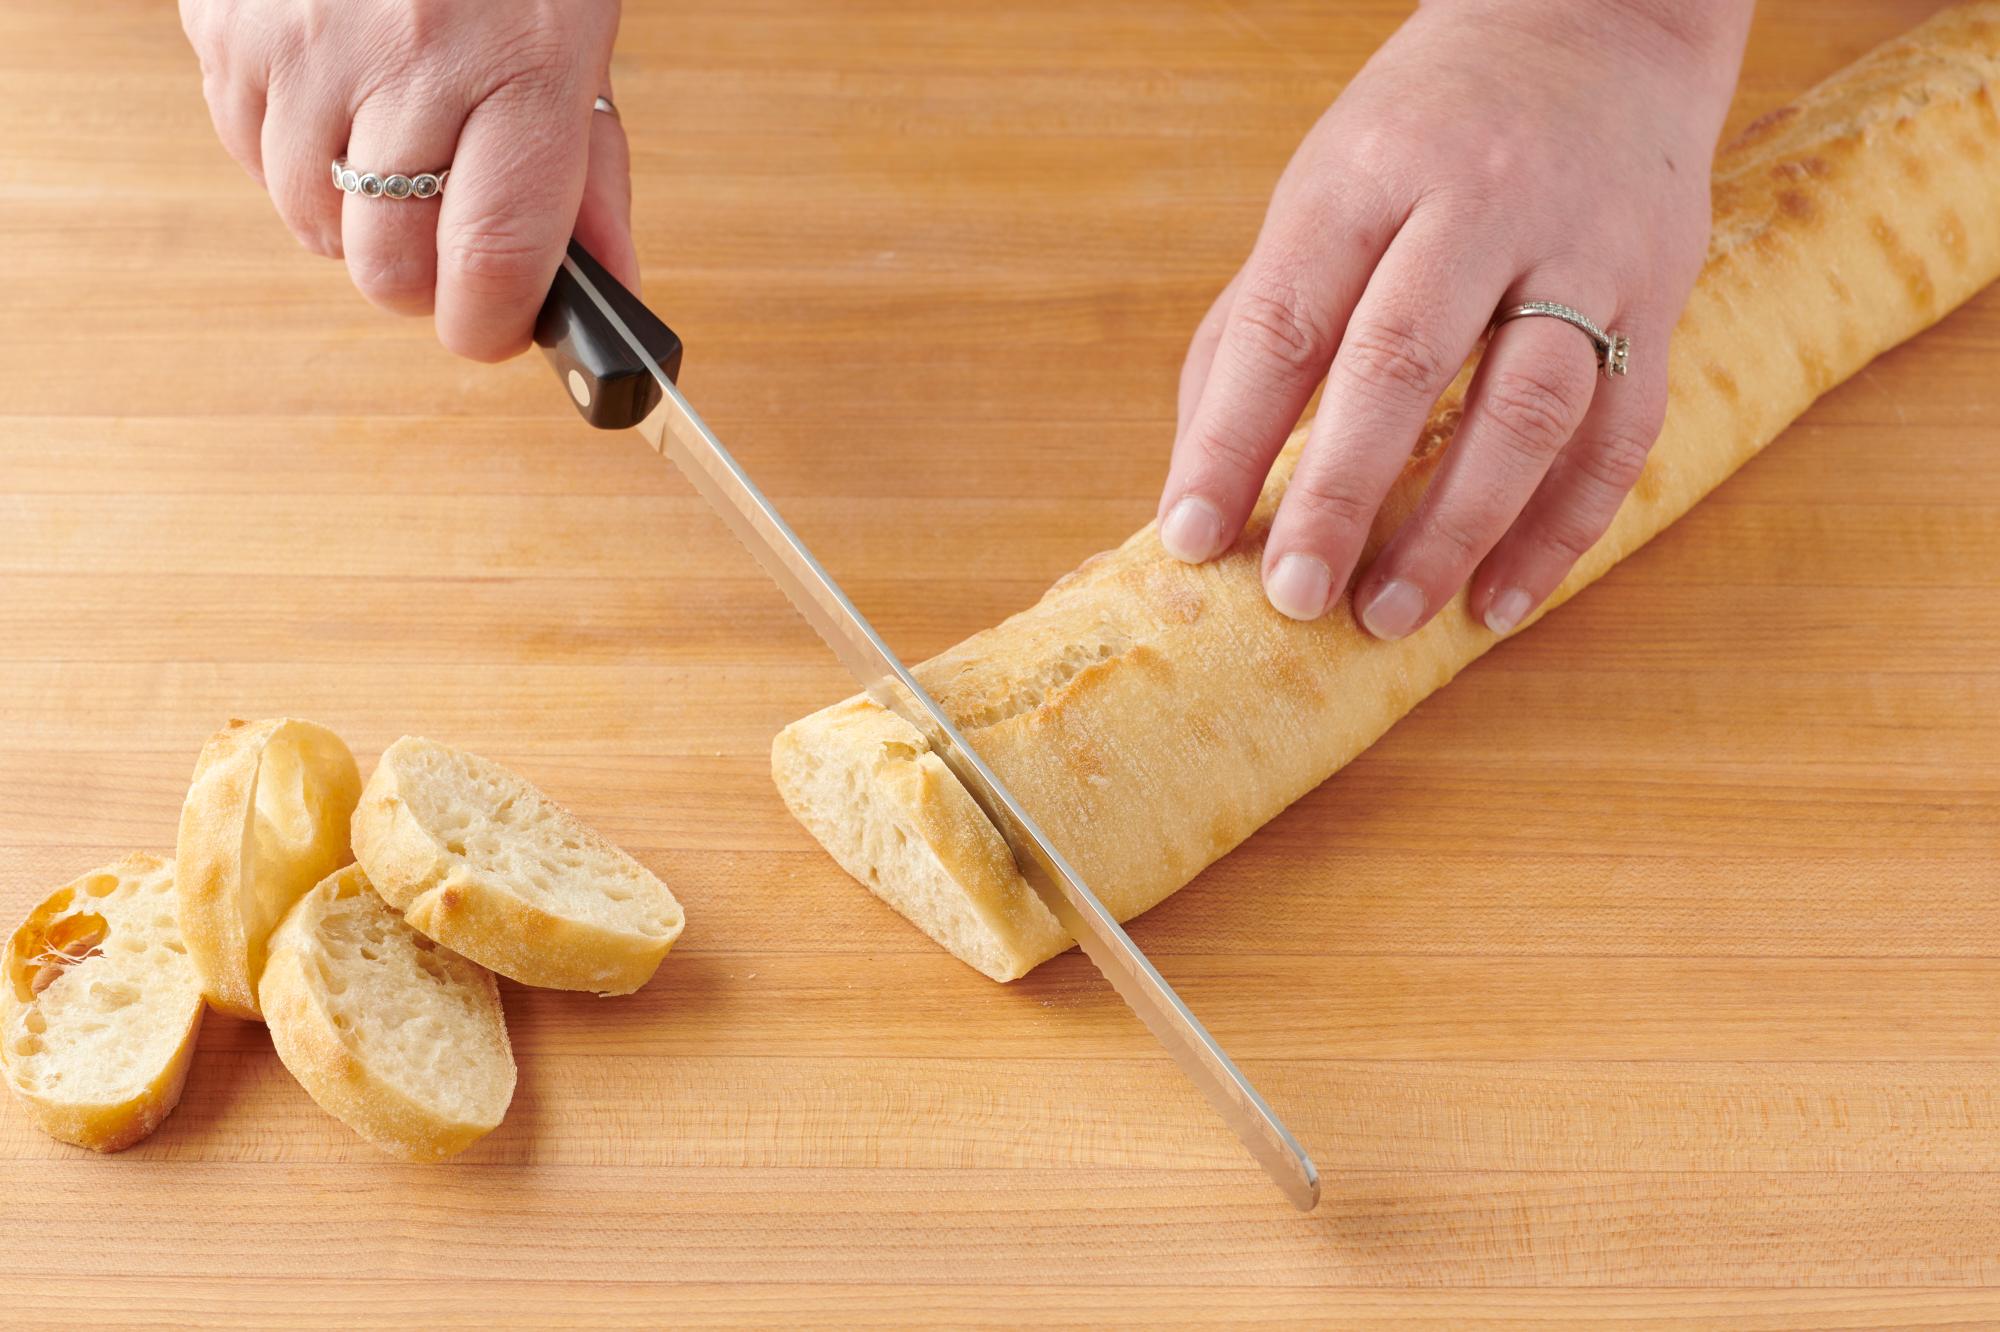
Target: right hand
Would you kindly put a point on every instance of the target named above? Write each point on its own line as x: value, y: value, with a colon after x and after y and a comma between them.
x: 501, y: 91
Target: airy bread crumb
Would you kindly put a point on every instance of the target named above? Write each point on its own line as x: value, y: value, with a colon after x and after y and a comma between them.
x: 483, y: 862
x: 400, y: 1039
x: 100, y: 1006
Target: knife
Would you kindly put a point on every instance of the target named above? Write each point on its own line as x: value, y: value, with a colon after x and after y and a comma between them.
x: 621, y: 364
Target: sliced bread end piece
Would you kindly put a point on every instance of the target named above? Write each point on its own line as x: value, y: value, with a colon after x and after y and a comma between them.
x: 100, y: 1006
x: 401, y: 1040
x: 484, y: 863
x: 265, y: 819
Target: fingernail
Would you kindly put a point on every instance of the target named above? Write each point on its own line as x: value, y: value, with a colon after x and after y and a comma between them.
x: 1394, y: 610
x: 1298, y: 587
x: 1193, y: 530
x: 1506, y: 609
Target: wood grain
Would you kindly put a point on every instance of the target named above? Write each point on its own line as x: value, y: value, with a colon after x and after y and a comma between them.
x: 1645, y: 976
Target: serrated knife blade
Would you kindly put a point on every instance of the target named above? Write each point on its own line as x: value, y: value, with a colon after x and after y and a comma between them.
x: 620, y: 363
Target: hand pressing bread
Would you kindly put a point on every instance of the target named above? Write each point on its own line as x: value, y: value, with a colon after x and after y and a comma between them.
x: 1153, y: 714
x: 264, y: 917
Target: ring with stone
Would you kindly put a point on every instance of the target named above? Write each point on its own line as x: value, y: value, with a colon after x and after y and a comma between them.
x: 394, y: 185
x: 1614, y: 349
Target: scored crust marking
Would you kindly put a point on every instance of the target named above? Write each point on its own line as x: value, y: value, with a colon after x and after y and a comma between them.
x: 1764, y: 126
x: 1722, y: 381
x: 1951, y: 235
x: 1910, y: 267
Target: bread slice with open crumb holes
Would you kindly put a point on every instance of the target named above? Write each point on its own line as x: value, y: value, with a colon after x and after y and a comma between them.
x: 265, y: 819
x: 399, y: 1039
x: 100, y: 1006
x: 481, y: 861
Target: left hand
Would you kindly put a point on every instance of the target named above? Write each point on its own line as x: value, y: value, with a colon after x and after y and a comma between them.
x: 1492, y: 152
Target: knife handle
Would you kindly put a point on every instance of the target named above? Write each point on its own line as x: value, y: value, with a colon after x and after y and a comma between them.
x: 609, y: 382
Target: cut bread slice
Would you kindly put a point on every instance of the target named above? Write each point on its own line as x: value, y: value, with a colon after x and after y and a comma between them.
x: 265, y: 819
x: 100, y: 1006
x: 401, y: 1040
x: 482, y: 862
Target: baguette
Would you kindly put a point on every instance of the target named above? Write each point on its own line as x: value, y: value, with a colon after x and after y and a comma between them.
x: 401, y: 1040
x: 101, y: 1007
x: 1152, y: 715
x: 484, y: 863
x: 265, y: 819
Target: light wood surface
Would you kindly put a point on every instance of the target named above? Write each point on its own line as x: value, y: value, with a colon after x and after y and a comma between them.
x: 1648, y: 974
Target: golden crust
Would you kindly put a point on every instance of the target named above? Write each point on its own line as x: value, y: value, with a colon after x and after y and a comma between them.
x: 1153, y: 714
x: 232, y: 887
x: 101, y: 1122
x: 444, y: 896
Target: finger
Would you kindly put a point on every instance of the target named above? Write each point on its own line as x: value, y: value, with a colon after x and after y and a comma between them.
x: 391, y: 243
x: 604, y: 222
x: 237, y: 108
x: 516, y: 184
x: 303, y: 132
x: 1580, y: 496
x: 1424, y: 309
x: 1288, y: 314
x: 1201, y: 353
x: 1531, y: 391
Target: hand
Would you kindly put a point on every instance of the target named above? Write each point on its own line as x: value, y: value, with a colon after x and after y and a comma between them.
x: 1493, y: 151
x: 499, y: 90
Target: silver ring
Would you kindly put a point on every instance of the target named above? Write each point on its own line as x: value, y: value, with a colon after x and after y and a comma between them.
x: 422, y: 185
x: 604, y: 104
x: 1614, y: 349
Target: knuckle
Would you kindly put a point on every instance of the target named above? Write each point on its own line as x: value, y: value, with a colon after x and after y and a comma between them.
x: 1568, y: 536
x: 1232, y: 453
x: 222, y: 38
x: 1502, y: 159
x: 1276, y: 321
x: 201, y: 20
x: 1616, y: 458
x: 1531, y: 411
x: 485, y: 344
x: 533, y: 56
x: 495, y: 256
x: 1397, y: 356
x: 1375, y: 150
x: 1450, y: 533
x: 396, y: 281
x: 419, y: 24
x: 316, y: 241
x: 1326, y: 505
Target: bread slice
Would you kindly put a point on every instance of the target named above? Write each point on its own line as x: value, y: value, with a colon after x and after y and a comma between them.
x: 401, y: 1040
x: 100, y: 1006
x: 1152, y: 714
x: 482, y: 862
x: 265, y: 819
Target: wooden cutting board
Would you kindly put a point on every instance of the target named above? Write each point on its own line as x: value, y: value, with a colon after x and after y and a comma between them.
x: 1650, y: 970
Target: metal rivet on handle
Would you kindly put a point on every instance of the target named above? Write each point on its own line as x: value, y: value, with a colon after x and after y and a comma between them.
x: 579, y: 388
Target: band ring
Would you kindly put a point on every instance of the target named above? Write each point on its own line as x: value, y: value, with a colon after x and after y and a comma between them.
x: 420, y: 185
x: 396, y: 185
x: 1614, y: 349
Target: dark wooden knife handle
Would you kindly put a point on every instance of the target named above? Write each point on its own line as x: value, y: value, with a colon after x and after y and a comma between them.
x: 607, y: 380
